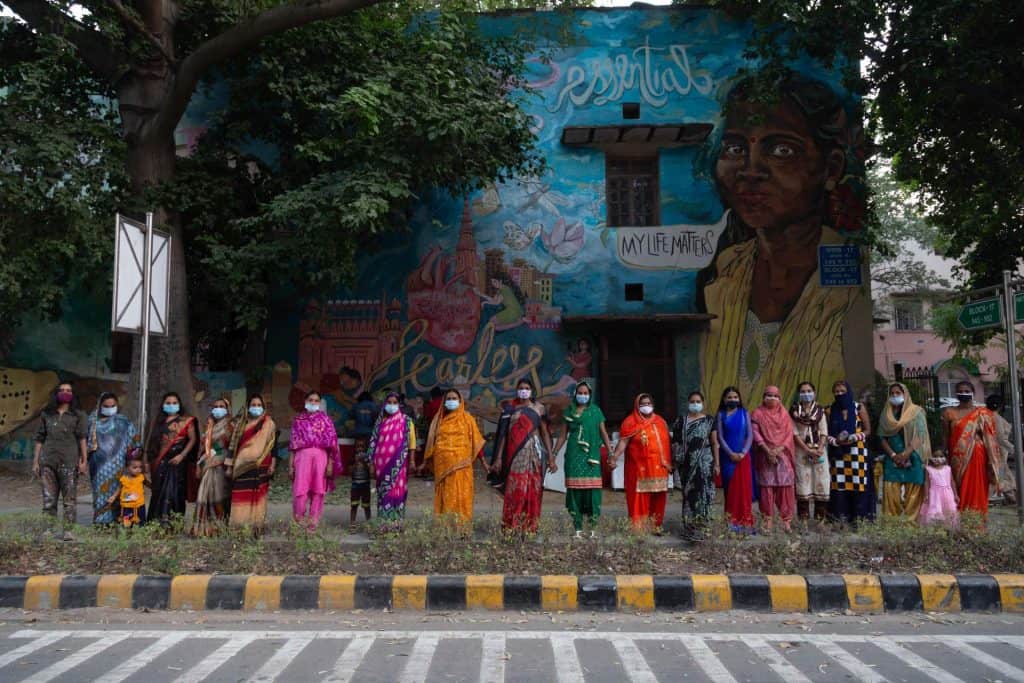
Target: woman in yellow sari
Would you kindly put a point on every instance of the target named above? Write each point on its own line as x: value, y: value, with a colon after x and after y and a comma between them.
x: 453, y: 443
x: 250, y: 465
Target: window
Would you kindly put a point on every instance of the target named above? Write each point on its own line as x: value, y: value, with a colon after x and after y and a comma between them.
x: 909, y: 315
x: 631, y: 186
x: 947, y: 388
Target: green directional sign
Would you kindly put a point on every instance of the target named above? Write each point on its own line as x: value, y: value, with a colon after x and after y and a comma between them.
x: 1018, y: 305
x: 978, y: 315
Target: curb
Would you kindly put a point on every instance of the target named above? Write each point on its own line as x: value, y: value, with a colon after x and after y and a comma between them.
x: 861, y: 593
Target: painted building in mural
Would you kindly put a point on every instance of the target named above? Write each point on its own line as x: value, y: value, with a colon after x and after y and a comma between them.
x: 681, y: 237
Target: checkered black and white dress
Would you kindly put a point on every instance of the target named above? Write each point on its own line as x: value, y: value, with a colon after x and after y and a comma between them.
x: 850, y: 470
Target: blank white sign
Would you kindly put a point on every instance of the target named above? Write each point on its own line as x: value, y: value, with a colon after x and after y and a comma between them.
x: 129, y: 248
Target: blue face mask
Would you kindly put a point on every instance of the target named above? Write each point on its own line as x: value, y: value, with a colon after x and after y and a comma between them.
x: 108, y: 412
x: 583, y: 399
x: 390, y: 408
x: 172, y: 408
x: 312, y: 407
x: 256, y: 411
x: 695, y: 407
x: 219, y: 413
x: 807, y: 396
x: 451, y: 404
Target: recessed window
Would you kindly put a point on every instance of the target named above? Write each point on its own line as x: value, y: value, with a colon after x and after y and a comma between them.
x: 631, y: 110
x: 634, y: 291
x: 909, y: 315
x: 631, y: 189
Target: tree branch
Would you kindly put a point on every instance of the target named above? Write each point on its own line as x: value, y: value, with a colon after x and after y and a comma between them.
x: 133, y: 22
x: 96, y: 49
x: 237, y: 39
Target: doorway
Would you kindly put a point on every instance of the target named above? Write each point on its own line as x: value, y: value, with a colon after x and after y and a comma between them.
x: 636, y: 359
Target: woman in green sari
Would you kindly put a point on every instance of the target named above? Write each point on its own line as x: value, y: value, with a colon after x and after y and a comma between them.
x: 583, y: 435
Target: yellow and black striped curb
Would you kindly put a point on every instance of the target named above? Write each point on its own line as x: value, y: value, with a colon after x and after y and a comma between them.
x: 700, y: 592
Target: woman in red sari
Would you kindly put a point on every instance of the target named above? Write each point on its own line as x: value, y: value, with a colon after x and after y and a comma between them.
x: 521, y: 443
x: 973, y: 449
x: 172, y: 447
x: 644, y: 438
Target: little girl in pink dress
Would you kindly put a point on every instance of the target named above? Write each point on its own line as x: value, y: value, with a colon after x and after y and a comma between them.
x: 940, y: 498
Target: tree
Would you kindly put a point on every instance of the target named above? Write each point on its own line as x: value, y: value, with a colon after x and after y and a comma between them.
x: 942, y: 87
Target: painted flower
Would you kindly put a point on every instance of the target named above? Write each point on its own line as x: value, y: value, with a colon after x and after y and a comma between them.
x: 564, y: 241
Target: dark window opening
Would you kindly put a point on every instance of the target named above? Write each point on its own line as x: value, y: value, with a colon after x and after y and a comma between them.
x: 631, y: 110
x: 631, y: 189
x: 635, y: 291
x: 121, y: 346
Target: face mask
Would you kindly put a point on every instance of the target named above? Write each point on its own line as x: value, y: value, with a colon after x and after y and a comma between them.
x: 896, y: 400
x: 524, y: 393
x: 390, y: 408
x: 108, y: 412
x: 838, y: 397
x: 219, y: 413
x: 65, y: 397
x: 312, y: 407
x: 451, y: 404
x: 256, y: 411
x: 646, y: 410
x: 696, y: 407
x: 583, y: 399
x: 732, y: 404
x: 172, y: 408
x: 807, y: 396
x: 965, y: 397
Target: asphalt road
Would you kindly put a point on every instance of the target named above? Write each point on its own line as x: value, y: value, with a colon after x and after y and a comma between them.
x: 109, y: 646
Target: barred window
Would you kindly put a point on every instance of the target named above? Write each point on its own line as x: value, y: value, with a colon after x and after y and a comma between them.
x: 631, y: 188
x: 909, y: 315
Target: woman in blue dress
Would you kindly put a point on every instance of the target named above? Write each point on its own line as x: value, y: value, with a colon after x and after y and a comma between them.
x: 110, y: 437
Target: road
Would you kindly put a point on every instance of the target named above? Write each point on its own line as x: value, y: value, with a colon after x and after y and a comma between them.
x: 109, y: 646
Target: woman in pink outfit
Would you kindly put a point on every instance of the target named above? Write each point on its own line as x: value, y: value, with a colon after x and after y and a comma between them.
x: 940, y: 498
x: 315, y: 460
x: 774, y: 450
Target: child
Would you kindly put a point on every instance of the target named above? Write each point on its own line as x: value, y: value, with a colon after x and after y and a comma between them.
x: 131, y: 493
x: 940, y: 498
x: 362, y: 472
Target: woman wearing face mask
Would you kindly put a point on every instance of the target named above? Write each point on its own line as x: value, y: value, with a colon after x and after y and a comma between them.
x: 523, y: 444
x: 454, y: 443
x: 773, y: 458
x: 315, y: 460
x: 212, y: 498
x: 735, y: 437
x: 111, y: 435
x: 392, y: 443
x: 583, y: 435
x: 695, y: 453
x: 903, y: 427
x: 644, y: 439
x: 973, y: 448
x: 60, y: 452
x: 174, y: 443
x: 850, y: 498
x: 810, y: 428
x: 250, y: 465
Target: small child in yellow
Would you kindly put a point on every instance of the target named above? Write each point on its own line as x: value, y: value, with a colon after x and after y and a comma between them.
x: 131, y: 493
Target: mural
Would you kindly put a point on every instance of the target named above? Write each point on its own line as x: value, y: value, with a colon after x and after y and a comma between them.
x: 498, y: 286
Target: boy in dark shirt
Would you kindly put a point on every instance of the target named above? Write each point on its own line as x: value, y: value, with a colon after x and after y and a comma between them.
x: 362, y: 473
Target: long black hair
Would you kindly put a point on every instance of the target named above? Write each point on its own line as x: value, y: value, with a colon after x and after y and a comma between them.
x: 726, y: 392
x: 51, y: 405
x: 174, y: 394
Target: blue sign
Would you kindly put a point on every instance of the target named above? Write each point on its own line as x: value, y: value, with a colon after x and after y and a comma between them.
x: 839, y: 265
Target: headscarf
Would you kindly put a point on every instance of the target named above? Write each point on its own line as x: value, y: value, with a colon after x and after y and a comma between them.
x: 94, y: 443
x: 836, y: 423
x: 461, y: 419
x: 212, y: 424
x: 590, y: 418
x: 912, y: 423
x: 636, y: 423
x: 775, y: 427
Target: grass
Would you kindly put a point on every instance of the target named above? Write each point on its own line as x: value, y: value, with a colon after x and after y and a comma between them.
x: 424, y: 545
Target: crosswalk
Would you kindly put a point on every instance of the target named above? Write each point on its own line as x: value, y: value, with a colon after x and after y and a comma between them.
x: 183, y: 656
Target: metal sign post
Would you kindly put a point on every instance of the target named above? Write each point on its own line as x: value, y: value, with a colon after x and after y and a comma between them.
x: 147, y: 277
x: 1015, y: 407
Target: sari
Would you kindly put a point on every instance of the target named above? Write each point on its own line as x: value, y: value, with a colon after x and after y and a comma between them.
x: 250, y: 457
x: 974, y: 458
x: 453, y: 443
x: 108, y: 442
x: 903, y: 491
x: 735, y: 436
x: 212, y: 497
x: 521, y: 457
x: 393, y: 437
x: 169, y: 485
x: 647, y: 466
x: 583, y: 482
x: 694, y: 461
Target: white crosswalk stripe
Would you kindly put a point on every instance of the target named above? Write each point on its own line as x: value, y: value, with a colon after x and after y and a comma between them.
x: 44, y: 657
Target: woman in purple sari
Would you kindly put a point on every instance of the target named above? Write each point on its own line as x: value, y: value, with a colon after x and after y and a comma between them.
x: 391, y: 445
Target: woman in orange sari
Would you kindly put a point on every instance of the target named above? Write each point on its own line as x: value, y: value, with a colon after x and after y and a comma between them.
x: 250, y: 465
x: 453, y: 444
x: 973, y: 449
x: 644, y: 438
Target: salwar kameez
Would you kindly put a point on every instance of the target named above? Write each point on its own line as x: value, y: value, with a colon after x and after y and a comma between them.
x: 904, y: 428
x: 850, y: 495
x: 776, y: 480
x: 313, y: 444
x: 647, y: 467
x: 582, y: 463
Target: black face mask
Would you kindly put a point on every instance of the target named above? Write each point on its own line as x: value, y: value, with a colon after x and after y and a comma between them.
x: 965, y: 397
x: 732, y: 404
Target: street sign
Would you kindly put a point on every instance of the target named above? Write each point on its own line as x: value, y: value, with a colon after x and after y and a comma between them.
x: 839, y: 265
x: 978, y: 315
x: 129, y: 250
x: 1018, y: 306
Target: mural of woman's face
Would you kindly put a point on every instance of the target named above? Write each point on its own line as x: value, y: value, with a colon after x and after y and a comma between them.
x: 770, y: 170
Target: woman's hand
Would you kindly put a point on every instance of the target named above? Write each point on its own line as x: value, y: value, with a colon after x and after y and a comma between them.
x: 717, y: 470
x: 229, y: 471
x: 329, y: 470
x: 736, y: 457
x: 291, y: 471
x: 552, y: 466
x: 176, y: 460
